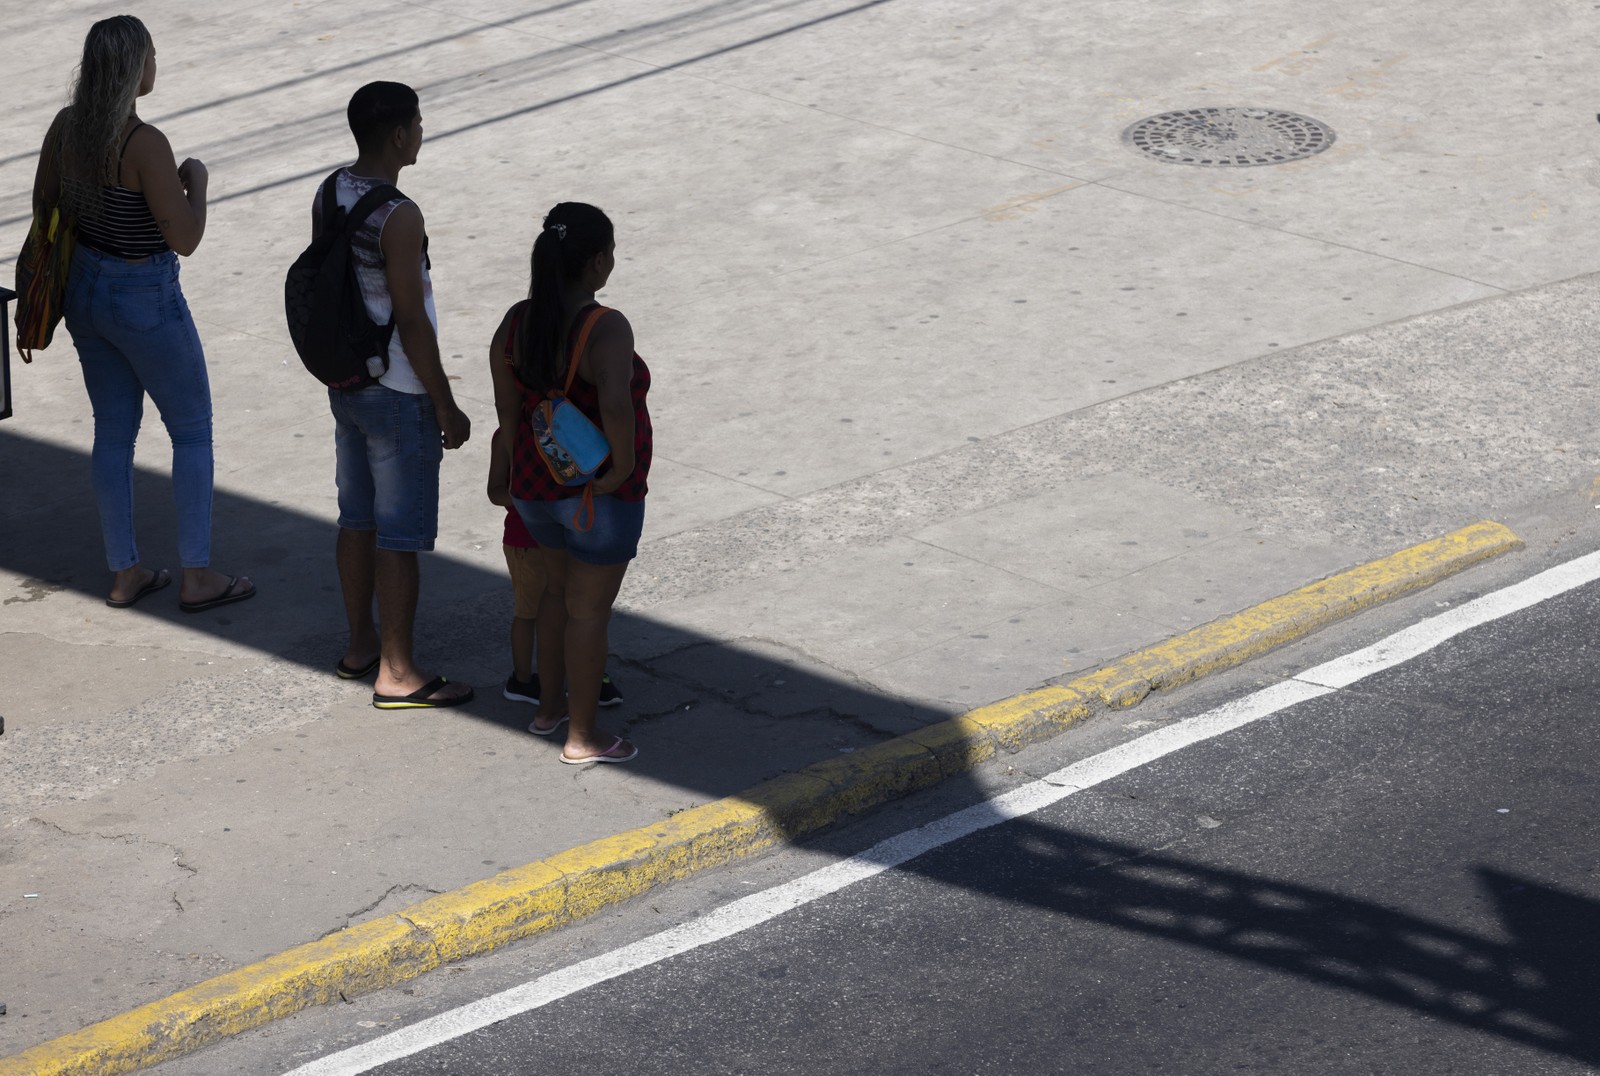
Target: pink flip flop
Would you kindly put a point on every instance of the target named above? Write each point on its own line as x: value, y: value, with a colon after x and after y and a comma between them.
x: 534, y: 728
x: 604, y: 756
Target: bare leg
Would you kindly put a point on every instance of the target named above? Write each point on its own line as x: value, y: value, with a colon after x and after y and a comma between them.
x: 591, y: 590
x: 522, y: 636
x: 527, y: 587
x: 397, y: 585
x: 355, y: 552
x: 398, y: 581
x: 552, y: 637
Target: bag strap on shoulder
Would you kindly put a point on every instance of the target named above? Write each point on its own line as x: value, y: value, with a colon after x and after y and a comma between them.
x: 377, y: 196
x: 582, y: 342
x: 367, y: 203
x: 330, y: 198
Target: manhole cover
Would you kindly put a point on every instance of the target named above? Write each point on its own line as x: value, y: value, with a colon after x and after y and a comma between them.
x: 1229, y: 137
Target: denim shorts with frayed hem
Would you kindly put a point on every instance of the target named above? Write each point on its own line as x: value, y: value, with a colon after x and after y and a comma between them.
x: 614, y: 538
x: 388, y: 447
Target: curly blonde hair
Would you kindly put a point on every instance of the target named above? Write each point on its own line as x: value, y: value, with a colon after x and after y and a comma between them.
x: 103, y: 95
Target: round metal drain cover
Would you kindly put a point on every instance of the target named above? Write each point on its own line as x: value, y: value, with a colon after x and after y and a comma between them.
x: 1229, y: 137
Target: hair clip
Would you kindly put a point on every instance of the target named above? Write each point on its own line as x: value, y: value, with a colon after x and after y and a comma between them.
x: 560, y: 230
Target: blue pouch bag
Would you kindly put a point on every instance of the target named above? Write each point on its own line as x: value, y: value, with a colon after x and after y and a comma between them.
x: 572, y: 447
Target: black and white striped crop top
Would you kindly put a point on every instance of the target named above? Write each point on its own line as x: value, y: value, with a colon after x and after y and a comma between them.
x: 118, y: 221
x: 124, y: 227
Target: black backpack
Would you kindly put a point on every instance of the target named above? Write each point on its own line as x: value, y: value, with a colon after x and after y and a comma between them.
x: 328, y: 320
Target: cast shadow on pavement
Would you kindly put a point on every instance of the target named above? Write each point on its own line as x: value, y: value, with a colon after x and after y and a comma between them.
x: 1537, y: 988
x: 717, y: 719
x: 709, y: 716
x: 670, y: 28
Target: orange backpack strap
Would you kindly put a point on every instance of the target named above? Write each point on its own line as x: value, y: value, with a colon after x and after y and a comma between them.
x: 582, y: 342
x: 584, y: 519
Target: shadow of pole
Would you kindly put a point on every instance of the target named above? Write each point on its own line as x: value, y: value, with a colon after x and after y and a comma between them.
x: 502, y: 117
x: 1539, y: 988
x: 681, y: 23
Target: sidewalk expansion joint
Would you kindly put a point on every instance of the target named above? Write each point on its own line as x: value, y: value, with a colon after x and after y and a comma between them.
x: 579, y: 882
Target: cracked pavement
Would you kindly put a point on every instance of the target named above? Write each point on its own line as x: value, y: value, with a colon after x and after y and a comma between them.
x: 187, y: 838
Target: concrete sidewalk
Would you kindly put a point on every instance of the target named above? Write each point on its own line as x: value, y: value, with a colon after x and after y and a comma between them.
x: 956, y: 395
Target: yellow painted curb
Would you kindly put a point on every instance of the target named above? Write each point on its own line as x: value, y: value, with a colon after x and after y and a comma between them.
x: 580, y: 881
x: 1227, y: 642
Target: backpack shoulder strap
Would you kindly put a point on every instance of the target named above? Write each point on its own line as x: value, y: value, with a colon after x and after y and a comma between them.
x: 330, y: 197
x: 367, y: 203
x: 582, y: 342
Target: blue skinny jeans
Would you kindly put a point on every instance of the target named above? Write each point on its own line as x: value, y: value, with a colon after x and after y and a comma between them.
x: 134, y: 335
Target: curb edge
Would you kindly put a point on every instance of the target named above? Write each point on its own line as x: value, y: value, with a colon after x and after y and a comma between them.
x: 578, y: 882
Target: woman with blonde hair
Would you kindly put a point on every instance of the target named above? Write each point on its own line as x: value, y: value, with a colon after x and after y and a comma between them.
x: 134, y: 210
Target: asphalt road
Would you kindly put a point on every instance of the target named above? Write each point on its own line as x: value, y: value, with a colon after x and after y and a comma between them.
x: 1396, y: 877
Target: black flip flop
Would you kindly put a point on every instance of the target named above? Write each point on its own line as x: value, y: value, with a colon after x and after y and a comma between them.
x: 419, y: 700
x: 160, y: 579
x: 227, y: 597
x: 347, y: 672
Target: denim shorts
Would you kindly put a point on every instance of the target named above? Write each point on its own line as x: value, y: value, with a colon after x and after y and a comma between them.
x: 614, y: 538
x: 388, y: 446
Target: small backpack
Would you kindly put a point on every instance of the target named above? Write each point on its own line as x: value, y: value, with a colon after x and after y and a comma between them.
x: 328, y: 321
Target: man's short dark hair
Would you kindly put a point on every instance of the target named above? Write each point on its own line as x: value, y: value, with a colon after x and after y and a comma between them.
x: 377, y: 108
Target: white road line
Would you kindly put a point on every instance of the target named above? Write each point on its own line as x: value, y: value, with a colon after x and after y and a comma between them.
x: 1407, y: 643
x: 762, y: 907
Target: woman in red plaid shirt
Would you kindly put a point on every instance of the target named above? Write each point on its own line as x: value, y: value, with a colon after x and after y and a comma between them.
x: 584, y: 554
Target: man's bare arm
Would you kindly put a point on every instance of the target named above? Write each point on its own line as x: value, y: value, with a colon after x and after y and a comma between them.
x: 402, y: 253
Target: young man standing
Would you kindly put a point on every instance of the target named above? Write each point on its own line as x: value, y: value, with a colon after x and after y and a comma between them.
x: 390, y: 435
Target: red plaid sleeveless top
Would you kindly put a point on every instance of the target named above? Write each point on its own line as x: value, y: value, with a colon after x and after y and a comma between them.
x: 530, y: 478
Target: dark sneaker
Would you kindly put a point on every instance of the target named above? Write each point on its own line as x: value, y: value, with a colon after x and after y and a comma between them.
x: 610, y: 694
x: 523, y: 690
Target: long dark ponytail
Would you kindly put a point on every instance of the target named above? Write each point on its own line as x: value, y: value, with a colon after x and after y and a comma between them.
x: 573, y: 233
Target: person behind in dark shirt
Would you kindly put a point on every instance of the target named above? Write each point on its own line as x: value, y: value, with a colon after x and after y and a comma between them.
x: 527, y: 587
